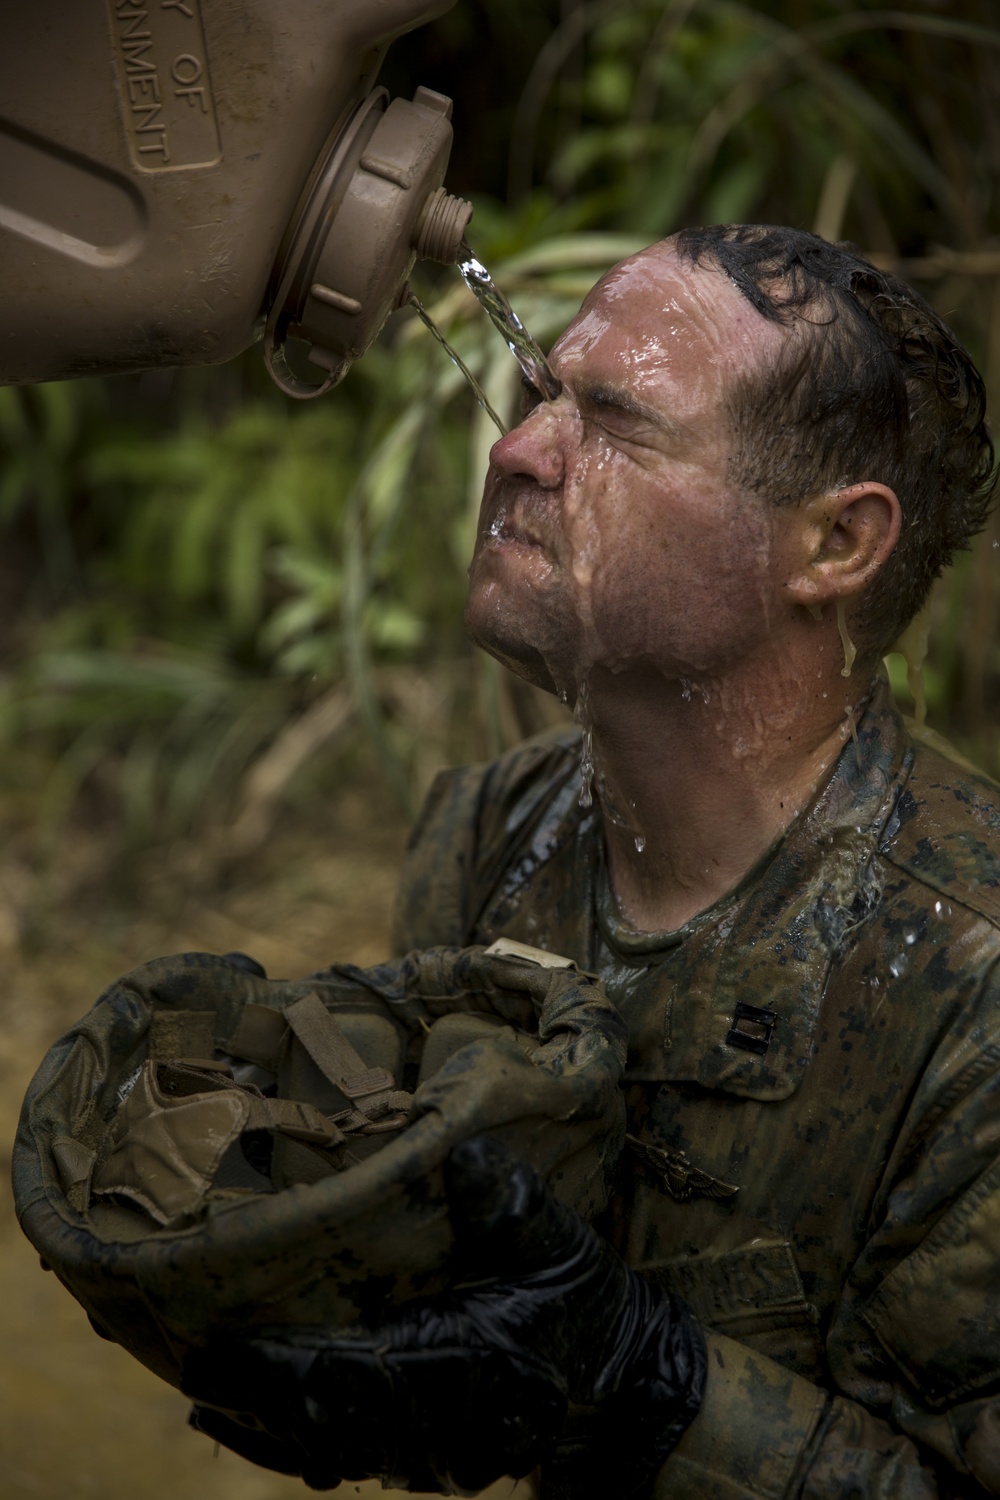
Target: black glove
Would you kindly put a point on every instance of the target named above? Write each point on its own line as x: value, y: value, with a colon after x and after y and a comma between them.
x: 549, y: 1351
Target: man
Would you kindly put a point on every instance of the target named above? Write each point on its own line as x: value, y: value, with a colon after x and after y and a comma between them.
x: 763, y: 453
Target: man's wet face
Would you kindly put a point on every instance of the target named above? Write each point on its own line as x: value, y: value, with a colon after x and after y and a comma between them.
x: 611, y: 531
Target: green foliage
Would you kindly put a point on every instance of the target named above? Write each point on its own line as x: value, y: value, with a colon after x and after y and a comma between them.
x: 216, y: 501
x: 210, y: 559
x: 42, y: 432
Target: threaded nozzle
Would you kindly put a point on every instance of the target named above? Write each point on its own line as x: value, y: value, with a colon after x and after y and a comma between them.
x: 440, y: 230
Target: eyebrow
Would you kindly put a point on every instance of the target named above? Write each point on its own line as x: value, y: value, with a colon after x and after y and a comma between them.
x: 616, y: 398
x: 610, y: 397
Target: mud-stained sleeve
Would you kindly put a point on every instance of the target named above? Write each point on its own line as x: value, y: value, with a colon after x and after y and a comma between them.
x: 913, y: 1409
x: 765, y: 1433
x: 432, y: 901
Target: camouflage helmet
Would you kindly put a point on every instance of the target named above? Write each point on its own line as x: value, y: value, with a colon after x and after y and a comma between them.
x: 209, y: 1150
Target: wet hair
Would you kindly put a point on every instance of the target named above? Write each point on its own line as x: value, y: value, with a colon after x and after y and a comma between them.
x: 874, y: 386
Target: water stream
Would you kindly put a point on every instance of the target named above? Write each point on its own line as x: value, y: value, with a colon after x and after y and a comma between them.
x: 519, y: 341
x: 581, y: 713
x: 456, y: 359
x: 528, y: 354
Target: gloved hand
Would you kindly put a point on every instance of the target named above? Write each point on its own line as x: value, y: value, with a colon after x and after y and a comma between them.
x: 549, y: 1351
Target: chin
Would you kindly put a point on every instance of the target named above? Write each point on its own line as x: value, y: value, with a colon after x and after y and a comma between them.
x: 503, y: 641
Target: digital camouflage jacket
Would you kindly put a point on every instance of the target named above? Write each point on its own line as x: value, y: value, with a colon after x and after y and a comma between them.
x: 813, y: 1094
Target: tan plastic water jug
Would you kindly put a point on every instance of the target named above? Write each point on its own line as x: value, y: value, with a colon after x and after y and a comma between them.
x: 181, y: 177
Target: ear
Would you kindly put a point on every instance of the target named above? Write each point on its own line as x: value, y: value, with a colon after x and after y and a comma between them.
x: 845, y: 539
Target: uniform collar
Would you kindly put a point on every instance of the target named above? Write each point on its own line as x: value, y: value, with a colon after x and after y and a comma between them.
x: 768, y: 946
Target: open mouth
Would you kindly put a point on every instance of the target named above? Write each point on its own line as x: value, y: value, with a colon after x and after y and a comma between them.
x: 510, y: 534
x: 512, y: 529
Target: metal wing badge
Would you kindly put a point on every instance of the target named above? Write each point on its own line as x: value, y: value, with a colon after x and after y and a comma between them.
x: 676, y: 1176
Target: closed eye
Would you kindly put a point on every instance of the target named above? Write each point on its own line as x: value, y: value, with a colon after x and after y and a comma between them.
x: 624, y: 416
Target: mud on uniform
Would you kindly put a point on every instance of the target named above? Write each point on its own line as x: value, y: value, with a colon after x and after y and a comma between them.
x: 813, y: 1093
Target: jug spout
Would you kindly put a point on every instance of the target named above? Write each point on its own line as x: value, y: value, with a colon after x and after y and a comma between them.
x: 373, y: 205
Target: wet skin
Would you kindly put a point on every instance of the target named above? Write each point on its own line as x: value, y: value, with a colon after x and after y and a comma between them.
x: 610, y: 527
x: 619, y: 563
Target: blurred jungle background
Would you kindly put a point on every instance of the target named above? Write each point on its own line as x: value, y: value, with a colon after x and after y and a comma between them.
x: 231, y: 654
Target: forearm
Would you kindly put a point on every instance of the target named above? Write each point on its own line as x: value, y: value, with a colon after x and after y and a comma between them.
x: 765, y: 1433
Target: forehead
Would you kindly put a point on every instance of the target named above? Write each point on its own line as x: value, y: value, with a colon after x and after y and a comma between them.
x: 656, y: 319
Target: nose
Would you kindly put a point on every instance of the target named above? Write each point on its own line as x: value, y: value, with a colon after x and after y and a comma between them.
x: 532, y: 450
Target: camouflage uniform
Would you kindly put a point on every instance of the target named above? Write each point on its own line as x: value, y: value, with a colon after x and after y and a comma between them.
x: 826, y: 1040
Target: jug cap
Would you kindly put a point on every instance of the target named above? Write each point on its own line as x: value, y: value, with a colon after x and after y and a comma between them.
x: 374, y: 203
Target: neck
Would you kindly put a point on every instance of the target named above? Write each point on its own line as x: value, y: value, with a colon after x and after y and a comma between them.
x: 697, y: 778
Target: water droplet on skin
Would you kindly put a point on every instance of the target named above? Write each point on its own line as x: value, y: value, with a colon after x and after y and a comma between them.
x: 852, y: 726
x: 942, y: 908
x: 909, y: 938
x: 640, y: 843
x: 689, y: 688
x: 850, y: 650
x: 899, y: 965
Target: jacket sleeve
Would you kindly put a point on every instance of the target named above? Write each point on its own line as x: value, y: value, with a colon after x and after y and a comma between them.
x: 765, y: 1433
x: 913, y: 1405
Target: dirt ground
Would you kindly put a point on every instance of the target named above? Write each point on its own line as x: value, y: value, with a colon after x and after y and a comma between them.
x: 78, y: 1417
